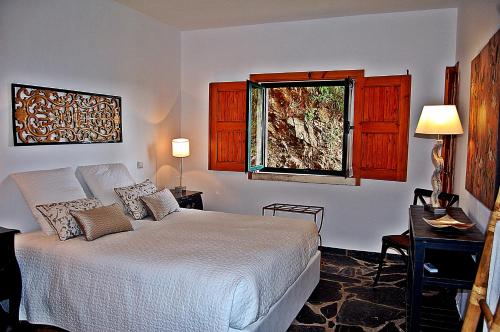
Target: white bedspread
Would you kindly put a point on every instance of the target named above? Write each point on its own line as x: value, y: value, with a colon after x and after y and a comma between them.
x: 193, y: 271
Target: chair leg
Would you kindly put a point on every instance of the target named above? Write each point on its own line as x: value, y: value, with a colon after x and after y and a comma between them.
x: 380, y: 263
x: 403, y: 256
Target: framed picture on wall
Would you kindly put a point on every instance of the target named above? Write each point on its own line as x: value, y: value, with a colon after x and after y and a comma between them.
x: 42, y: 115
x: 483, y: 172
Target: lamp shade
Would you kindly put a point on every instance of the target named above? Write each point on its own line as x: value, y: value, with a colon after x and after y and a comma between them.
x: 439, y: 120
x: 180, y: 147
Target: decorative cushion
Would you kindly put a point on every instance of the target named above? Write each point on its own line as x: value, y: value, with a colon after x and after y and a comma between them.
x: 102, y: 221
x: 48, y: 186
x: 100, y: 180
x: 161, y: 203
x: 58, y: 215
x: 131, y: 198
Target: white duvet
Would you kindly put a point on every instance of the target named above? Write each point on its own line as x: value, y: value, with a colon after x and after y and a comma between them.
x: 193, y: 271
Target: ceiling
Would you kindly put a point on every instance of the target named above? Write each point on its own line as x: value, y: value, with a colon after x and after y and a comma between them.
x: 205, y: 14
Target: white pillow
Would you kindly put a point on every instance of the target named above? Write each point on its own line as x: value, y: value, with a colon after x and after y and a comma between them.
x: 103, y: 179
x: 47, y: 186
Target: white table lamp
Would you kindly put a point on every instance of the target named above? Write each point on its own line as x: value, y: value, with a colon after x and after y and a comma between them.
x: 180, y: 149
x: 438, y: 120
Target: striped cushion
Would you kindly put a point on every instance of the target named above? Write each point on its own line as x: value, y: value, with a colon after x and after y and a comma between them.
x: 161, y: 203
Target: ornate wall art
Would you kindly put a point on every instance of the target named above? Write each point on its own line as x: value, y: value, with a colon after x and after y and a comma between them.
x: 483, y: 173
x: 43, y: 115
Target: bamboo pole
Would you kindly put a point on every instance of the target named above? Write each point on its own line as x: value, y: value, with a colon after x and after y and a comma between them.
x: 495, y: 325
x: 478, y: 292
x: 488, y: 315
x: 492, y: 321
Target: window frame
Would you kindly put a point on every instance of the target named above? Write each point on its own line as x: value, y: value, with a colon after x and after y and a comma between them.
x: 358, y: 75
x: 348, y: 85
x: 248, y: 162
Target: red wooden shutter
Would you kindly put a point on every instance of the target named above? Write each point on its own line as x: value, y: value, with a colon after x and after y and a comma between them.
x: 381, y: 128
x: 227, y: 126
x: 449, y: 141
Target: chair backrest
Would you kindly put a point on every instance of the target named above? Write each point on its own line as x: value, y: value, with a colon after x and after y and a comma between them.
x: 421, y: 194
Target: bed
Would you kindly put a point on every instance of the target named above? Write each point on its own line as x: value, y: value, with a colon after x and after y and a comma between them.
x: 193, y: 271
x: 189, y: 271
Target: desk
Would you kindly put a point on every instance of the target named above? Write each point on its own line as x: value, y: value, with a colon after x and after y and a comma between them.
x: 449, y: 250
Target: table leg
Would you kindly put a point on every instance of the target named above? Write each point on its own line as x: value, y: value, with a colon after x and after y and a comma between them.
x: 15, y: 294
x: 415, y: 287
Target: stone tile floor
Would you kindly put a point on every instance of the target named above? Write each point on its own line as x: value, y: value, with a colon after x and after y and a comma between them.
x: 345, y: 300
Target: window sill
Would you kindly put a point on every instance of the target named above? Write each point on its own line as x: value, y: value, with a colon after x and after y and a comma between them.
x: 304, y: 178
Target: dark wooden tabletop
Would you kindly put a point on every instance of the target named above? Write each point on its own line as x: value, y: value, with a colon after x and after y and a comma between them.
x: 185, y: 193
x: 422, y: 231
x: 4, y: 230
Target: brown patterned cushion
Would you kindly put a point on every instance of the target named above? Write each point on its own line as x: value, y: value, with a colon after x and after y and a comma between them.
x: 130, y: 196
x: 102, y: 221
x: 59, y: 217
x: 161, y: 203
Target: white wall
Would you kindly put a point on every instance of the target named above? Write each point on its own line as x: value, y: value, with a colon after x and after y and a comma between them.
x: 96, y: 46
x: 384, y: 44
x: 476, y: 24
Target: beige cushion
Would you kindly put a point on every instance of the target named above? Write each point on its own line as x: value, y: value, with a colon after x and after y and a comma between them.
x: 102, y: 221
x: 59, y: 216
x: 161, y: 203
x: 48, y: 186
x: 130, y: 197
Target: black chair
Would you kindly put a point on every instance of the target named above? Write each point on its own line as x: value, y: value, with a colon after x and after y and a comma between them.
x: 401, y: 242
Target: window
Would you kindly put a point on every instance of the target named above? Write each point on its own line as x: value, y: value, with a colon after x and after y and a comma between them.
x: 378, y: 145
x: 299, y: 127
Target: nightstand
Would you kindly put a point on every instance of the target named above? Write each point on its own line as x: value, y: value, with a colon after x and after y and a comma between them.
x: 10, y: 287
x: 189, y: 199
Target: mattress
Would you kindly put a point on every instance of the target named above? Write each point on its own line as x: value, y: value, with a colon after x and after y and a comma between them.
x: 193, y: 271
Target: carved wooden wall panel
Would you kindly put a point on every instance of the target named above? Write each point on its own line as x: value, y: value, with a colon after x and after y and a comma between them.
x: 53, y: 116
x: 483, y: 149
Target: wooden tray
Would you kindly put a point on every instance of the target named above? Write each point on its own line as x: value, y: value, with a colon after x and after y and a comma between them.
x: 446, y: 222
